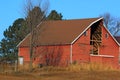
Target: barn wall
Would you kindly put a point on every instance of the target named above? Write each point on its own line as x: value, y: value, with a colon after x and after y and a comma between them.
x: 24, y: 52
x: 56, y: 55
x: 95, y: 59
x: 109, y: 46
x: 102, y: 59
x: 81, y: 48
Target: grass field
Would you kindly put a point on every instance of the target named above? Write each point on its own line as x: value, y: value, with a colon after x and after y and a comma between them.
x: 62, y: 75
x: 74, y: 72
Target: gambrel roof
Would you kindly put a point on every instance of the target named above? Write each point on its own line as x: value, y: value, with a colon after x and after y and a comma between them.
x: 60, y: 32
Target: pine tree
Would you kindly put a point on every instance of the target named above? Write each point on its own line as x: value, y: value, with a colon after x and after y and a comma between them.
x: 54, y: 15
x: 12, y: 36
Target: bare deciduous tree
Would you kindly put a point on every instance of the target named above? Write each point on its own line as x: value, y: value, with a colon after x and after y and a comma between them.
x: 116, y: 28
x: 34, y: 16
x: 112, y: 23
x: 108, y: 19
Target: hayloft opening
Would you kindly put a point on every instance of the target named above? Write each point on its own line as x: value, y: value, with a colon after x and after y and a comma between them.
x: 95, y: 38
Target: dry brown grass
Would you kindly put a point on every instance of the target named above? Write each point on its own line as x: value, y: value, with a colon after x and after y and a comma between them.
x: 82, y: 67
x: 26, y: 66
x: 92, y: 71
x: 90, y: 67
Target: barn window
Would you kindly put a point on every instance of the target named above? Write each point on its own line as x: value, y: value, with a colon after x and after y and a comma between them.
x: 106, y: 35
x: 85, y: 33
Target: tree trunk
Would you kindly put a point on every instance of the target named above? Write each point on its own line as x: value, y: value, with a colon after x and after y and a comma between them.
x: 31, y: 52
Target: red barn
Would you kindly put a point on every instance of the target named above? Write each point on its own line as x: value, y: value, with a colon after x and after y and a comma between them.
x: 70, y: 41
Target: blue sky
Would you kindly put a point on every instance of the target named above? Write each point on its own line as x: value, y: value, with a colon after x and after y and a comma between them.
x: 11, y: 10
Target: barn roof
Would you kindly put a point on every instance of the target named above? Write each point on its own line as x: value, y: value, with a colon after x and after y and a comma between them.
x: 60, y: 32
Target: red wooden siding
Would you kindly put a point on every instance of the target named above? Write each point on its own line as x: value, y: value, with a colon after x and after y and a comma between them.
x: 59, y: 52
x: 109, y: 46
x: 24, y: 52
x: 81, y: 48
x: 102, y: 59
